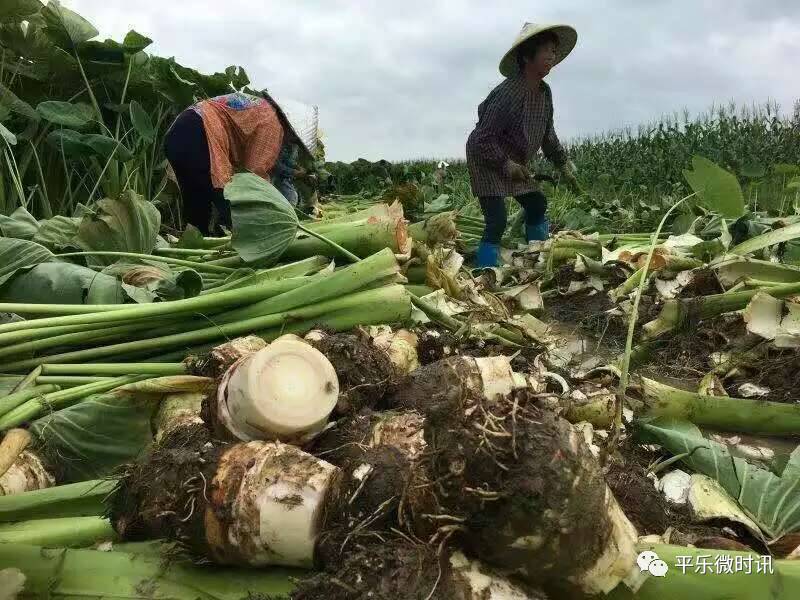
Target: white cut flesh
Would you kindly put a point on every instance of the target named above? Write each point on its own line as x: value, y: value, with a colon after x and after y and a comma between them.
x: 476, y: 581
x: 617, y: 563
x: 285, y: 392
x: 404, y: 431
x: 275, y: 517
x: 25, y: 475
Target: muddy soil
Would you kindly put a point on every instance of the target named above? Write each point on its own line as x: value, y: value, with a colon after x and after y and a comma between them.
x: 163, y: 495
x: 365, y: 372
x: 388, y: 567
x: 686, y: 354
x: 588, y: 312
x: 438, y: 343
x: 777, y: 371
x: 652, y: 514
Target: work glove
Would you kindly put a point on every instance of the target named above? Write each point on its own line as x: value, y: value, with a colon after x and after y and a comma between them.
x: 516, y: 171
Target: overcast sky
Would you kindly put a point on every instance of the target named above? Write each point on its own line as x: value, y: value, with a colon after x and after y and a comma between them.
x: 401, y: 80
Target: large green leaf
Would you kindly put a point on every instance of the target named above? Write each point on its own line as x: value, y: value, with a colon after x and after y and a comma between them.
x: 129, y: 224
x: 106, y: 147
x: 66, y: 114
x: 772, y: 501
x: 135, y: 42
x: 13, y: 11
x: 58, y: 233
x: 65, y: 27
x: 19, y: 224
x: 10, y: 101
x: 19, y: 254
x: 62, y: 283
x: 264, y: 223
x: 717, y: 188
x: 95, y: 436
x: 70, y: 142
x: 142, y: 123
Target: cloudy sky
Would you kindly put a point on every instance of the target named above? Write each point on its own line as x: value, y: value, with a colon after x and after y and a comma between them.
x: 401, y: 80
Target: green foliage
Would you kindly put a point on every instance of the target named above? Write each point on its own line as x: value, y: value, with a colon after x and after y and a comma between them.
x: 66, y: 114
x: 65, y: 283
x: 20, y: 224
x: 96, y: 435
x: 770, y: 499
x: 19, y: 254
x: 129, y: 224
x: 718, y: 189
x: 264, y: 223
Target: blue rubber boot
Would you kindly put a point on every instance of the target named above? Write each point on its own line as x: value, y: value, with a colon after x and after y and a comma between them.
x: 538, y: 231
x: 488, y: 254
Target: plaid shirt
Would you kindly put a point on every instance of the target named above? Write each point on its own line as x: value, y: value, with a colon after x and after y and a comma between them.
x: 513, y: 123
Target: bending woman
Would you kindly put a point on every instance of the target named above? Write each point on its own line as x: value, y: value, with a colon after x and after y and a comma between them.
x: 514, y: 122
x: 212, y: 139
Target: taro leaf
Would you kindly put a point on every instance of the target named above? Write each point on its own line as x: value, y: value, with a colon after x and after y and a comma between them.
x: 10, y: 101
x: 142, y: 123
x: 90, y: 439
x: 107, y: 52
x: 191, y: 237
x: 66, y: 28
x: 12, y: 11
x: 106, y: 147
x: 70, y: 142
x: 264, y: 223
x: 19, y: 224
x: 66, y: 114
x: 129, y: 224
x: 62, y: 283
x: 9, y: 137
x: 772, y: 501
x: 58, y: 233
x: 135, y: 42
x: 19, y: 254
x: 717, y: 188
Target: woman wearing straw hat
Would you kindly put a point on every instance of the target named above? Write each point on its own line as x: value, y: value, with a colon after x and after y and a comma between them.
x: 514, y: 122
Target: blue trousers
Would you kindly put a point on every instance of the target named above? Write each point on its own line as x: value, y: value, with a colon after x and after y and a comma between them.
x: 495, y: 217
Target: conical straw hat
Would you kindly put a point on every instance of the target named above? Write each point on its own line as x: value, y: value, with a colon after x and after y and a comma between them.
x: 567, y: 38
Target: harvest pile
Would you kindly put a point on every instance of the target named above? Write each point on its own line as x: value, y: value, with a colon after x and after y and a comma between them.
x: 335, y: 405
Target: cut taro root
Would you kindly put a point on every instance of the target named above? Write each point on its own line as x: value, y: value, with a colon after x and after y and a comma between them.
x: 365, y: 371
x: 284, y: 392
x: 400, y: 346
x: 248, y: 504
x: 26, y: 474
x: 523, y: 488
x: 219, y: 360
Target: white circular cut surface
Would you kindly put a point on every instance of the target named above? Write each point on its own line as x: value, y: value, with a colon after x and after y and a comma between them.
x: 286, y: 390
